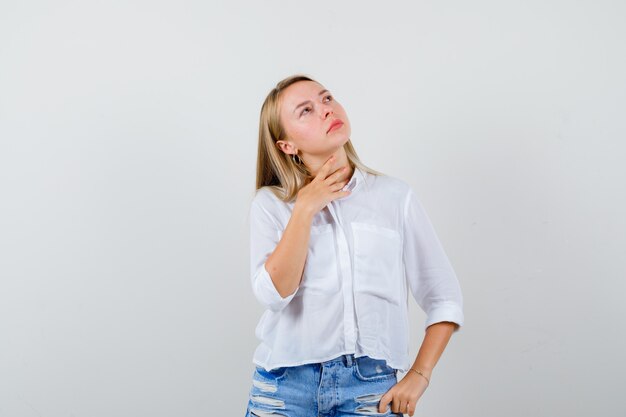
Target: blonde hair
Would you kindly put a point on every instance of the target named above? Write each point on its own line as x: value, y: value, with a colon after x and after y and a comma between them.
x: 275, y: 169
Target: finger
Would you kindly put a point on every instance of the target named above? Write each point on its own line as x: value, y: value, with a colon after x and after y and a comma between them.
x: 323, y: 172
x: 336, y: 176
x: 340, y: 194
x: 384, y: 401
x: 396, y: 406
x: 410, y: 409
x: 404, y: 407
x: 338, y: 185
x: 340, y: 174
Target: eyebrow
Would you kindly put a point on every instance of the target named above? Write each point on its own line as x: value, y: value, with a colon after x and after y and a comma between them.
x: 308, y: 101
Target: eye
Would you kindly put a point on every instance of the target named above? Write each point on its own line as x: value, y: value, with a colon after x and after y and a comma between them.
x: 328, y: 96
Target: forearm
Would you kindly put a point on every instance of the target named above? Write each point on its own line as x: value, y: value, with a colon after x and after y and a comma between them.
x: 286, y: 264
x: 405, y: 394
x: 435, y: 341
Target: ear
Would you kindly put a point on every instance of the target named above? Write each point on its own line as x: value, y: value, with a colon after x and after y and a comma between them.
x: 286, y: 147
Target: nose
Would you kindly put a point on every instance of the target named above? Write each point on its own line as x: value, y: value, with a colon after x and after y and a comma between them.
x: 326, y: 111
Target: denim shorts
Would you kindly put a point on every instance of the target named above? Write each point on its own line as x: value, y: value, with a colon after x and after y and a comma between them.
x: 344, y: 386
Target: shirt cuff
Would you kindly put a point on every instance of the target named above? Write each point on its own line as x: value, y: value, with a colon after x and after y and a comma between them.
x: 445, y: 312
x: 267, y: 292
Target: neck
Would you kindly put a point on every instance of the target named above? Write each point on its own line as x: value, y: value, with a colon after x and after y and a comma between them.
x: 341, y: 160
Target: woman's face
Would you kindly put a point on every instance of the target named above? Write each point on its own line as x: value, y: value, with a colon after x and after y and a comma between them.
x: 306, y: 113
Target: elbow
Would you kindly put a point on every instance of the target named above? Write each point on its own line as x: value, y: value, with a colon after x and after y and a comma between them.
x: 266, y: 292
x: 446, y: 312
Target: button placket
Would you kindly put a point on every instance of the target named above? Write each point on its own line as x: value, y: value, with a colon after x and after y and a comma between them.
x: 346, y: 280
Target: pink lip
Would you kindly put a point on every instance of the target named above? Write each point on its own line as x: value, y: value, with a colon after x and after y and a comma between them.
x: 336, y: 124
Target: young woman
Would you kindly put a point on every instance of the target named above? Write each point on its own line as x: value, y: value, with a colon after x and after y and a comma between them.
x: 335, y: 246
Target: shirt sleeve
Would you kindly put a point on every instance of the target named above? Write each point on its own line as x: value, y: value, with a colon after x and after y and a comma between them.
x: 264, y: 236
x: 430, y: 275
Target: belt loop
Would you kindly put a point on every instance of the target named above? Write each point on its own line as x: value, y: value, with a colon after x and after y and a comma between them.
x: 348, y: 360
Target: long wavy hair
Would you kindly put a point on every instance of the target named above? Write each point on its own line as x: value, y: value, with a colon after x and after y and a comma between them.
x: 276, y: 169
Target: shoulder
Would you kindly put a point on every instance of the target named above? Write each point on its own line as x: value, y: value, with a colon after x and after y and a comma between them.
x: 265, y: 198
x: 389, y: 186
x: 262, y: 195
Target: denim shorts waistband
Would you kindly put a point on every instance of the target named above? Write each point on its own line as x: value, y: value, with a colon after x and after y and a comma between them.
x: 346, y: 359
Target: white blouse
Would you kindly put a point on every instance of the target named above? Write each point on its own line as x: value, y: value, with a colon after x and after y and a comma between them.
x: 365, y: 250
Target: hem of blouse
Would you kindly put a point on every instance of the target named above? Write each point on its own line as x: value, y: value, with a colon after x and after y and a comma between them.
x: 311, y: 361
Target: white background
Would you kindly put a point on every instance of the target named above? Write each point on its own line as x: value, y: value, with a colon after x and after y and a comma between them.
x: 128, y: 138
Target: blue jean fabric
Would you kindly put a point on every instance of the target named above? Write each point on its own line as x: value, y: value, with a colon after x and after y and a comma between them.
x: 344, y: 386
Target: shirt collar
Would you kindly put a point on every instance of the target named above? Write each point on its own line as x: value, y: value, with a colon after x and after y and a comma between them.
x: 358, y: 176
